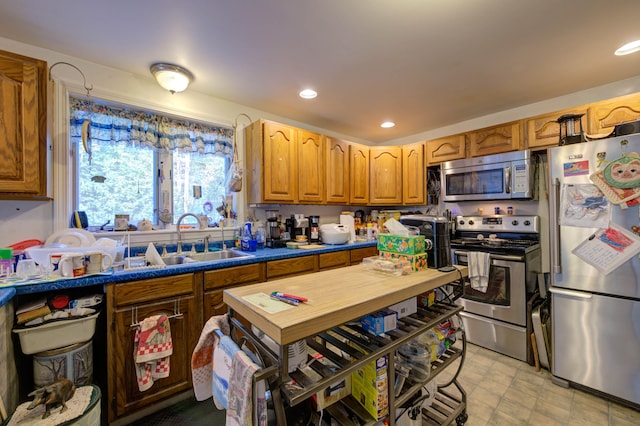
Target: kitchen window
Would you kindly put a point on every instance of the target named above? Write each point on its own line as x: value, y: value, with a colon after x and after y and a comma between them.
x: 144, y: 164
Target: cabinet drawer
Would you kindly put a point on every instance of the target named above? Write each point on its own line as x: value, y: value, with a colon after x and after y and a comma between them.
x: 360, y: 253
x: 286, y: 267
x: 336, y: 259
x: 226, y: 277
x: 157, y: 288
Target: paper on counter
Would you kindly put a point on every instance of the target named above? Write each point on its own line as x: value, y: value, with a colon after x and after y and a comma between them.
x: 349, y: 221
x: 266, y: 303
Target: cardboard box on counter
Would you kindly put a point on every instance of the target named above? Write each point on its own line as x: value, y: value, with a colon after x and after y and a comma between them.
x: 412, y: 244
x: 418, y: 262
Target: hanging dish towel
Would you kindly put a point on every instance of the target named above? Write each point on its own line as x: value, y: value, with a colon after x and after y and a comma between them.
x: 151, y: 350
x: 222, y: 357
x: 202, y: 357
x: 479, y: 265
x: 239, y: 411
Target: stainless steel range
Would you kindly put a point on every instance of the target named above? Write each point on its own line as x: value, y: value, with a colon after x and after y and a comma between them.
x: 499, y: 318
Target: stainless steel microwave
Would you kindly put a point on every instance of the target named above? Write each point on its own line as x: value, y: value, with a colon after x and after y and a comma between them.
x: 491, y: 177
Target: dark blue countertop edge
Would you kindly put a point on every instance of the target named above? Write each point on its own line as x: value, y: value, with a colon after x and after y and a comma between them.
x: 6, y: 294
x: 261, y: 255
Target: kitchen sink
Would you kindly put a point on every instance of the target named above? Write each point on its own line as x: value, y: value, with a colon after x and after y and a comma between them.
x: 177, y: 259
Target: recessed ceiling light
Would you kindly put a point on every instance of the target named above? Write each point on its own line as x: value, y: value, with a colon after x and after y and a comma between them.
x: 628, y: 48
x: 387, y: 124
x: 308, y: 94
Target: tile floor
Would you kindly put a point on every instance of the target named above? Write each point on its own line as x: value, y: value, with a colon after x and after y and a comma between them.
x: 504, y: 391
x: 500, y: 391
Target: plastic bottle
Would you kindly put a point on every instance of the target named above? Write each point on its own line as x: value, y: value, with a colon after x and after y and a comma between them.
x: 6, y: 262
x: 369, y: 232
x: 260, y: 235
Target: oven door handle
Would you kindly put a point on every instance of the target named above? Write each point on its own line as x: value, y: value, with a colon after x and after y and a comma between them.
x: 493, y: 256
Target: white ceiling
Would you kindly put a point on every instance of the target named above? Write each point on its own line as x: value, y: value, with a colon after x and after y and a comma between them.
x: 424, y: 64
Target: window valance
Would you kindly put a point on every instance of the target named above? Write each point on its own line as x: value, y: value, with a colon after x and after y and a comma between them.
x: 142, y: 128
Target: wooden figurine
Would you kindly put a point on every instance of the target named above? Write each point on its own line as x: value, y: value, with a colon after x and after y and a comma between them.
x: 52, y: 396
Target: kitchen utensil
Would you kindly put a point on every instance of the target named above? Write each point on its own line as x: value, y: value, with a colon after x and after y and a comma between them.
x: 26, y: 268
x: 72, y: 237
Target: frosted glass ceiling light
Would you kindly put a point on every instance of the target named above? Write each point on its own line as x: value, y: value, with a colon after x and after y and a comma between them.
x: 308, y: 94
x: 387, y: 124
x: 173, y: 78
x: 628, y: 48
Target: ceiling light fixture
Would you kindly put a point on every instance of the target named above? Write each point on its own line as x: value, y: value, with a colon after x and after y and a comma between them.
x: 628, y: 48
x: 387, y: 124
x: 173, y: 78
x: 308, y: 94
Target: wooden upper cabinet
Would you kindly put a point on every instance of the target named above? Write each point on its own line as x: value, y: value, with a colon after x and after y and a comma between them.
x: 337, y: 171
x: 605, y: 115
x: 544, y: 130
x: 496, y: 139
x: 413, y: 174
x: 310, y: 167
x: 385, y: 175
x: 445, y: 149
x: 23, y: 126
x: 271, y: 158
x: 358, y: 174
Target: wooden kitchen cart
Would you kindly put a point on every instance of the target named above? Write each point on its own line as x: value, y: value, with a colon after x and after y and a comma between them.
x: 329, y: 324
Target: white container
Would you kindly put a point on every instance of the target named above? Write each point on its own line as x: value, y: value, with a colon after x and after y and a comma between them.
x: 332, y: 233
x: 56, y: 334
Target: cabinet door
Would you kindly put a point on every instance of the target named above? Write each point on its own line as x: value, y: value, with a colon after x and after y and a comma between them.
x: 413, y: 174
x: 544, y: 130
x: 217, y: 280
x: 605, y: 115
x: 184, y: 336
x: 358, y: 174
x: 336, y: 259
x: 360, y: 253
x: 289, y: 267
x: 280, y: 163
x: 310, y: 167
x: 385, y: 175
x: 496, y: 139
x: 337, y: 171
x: 445, y: 149
x: 23, y: 88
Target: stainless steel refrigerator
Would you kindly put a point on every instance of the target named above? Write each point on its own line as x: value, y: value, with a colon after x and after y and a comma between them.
x: 595, y: 289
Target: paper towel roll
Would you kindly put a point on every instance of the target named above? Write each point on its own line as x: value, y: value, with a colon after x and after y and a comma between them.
x: 349, y: 222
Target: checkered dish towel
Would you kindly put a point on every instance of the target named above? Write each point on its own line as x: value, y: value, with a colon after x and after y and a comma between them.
x: 151, y: 350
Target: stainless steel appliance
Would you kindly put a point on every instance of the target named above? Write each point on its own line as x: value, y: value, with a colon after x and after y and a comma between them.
x: 499, y: 318
x: 491, y: 177
x: 436, y: 231
x: 595, y: 316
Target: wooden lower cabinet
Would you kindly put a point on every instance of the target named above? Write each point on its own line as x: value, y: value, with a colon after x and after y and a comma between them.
x: 215, y: 282
x: 360, y: 253
x: 336, y: 259
x: 289, y: 267
x: 129, y: 303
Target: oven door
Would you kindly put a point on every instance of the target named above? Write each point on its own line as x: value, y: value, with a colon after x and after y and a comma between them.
x: 506, y: 295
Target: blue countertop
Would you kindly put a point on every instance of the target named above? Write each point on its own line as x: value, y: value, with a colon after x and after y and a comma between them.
x: 262, y: 255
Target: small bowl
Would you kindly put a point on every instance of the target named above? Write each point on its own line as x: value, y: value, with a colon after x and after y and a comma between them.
x: 301, y: 238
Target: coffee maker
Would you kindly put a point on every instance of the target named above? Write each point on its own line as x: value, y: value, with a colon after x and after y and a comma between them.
x: 273, y: 237
x: 437, y: 235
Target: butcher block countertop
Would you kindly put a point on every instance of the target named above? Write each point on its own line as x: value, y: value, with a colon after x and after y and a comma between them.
x: 335, y: 297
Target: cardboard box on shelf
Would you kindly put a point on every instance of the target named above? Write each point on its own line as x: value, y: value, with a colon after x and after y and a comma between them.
x: 380, y: 322
x: 405, y: 308
x: 412, y: 244
x: 369, y: 386
x: 418, y: 262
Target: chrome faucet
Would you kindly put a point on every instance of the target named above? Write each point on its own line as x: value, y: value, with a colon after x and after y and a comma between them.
x: 179, y: 232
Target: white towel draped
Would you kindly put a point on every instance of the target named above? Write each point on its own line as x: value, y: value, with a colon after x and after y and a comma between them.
x: 479, y: 265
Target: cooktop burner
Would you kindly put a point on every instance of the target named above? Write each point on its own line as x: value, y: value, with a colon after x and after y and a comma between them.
x: 497, y: 234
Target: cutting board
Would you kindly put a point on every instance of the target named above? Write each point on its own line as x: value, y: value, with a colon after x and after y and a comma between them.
x: 311, y: 246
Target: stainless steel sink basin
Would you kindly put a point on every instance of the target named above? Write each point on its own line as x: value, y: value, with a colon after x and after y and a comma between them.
x: 177, y: 259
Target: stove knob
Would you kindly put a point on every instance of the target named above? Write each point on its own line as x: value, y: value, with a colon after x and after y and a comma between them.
x: 527, y: 222
x: 470, y: 222
x: 461, y: 222
x: 514, y: 222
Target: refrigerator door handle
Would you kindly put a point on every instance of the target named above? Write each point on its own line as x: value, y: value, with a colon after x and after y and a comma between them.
x: 554, y: 227
x: 571, y: 293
